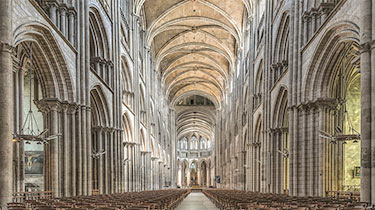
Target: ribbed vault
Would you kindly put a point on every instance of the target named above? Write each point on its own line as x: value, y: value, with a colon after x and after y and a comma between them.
x: 195, y: 115
x: 195, y: 43
x: 191, y: 121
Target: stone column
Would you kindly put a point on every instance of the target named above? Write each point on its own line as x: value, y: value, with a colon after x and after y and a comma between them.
x: 66, y: 153
x: 20, y: 118
x: 134, y: 168
x: 126, y: 167
x: 366, y: 100
x: 302, y: 166
x: 100, y: 173
x: 321, y: 155
x: 311, y: 151
x: 78, y: 155
x: 152, y: 173
x: 305, y: 27
x: 313, y: 22
x: 137, y: 158
x: 372, y: 21
x: 107, y: 172
x: 58, y: 19
x: 54, y: 151
x: 113, y: 163
x: 6, y: 102
x: 188, y: 176
x: 72, y: 158
x: 71, y: 32
x: 63, y: 20
x: 148, y: 171
x: 273, y: 151
x: 89, y: 150
x: 131, y: 171
x: 52, y: 12
x: 174, y: 148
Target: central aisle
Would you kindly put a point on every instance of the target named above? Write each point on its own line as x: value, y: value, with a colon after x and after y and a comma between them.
x: 196, y: 201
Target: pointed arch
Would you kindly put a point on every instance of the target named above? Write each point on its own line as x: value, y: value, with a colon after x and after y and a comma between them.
x: 99, y: 108
x: 50, y: 64
x: 128, y: 128
x: 127, y: 83
x: 143, y: 141
x: 99, y: 45
x: 281, y: 109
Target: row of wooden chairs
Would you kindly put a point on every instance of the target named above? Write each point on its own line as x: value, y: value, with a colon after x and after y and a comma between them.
x: 146, y: 200
x: 243, y: 200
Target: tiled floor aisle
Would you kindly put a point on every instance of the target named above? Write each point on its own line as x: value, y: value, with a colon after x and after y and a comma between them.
x: 196, y: 201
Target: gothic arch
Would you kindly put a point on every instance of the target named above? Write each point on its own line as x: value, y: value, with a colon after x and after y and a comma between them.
x: 100, y: 48
x: 281, y: 108
x: 331, y: 69
x: 258, y: 86
x: 257, y: 158
x: 128, y: 128
x: 51, y: 67
x: 99, y: 45
x: 143, y: 141
x: 281, y: 51
x: 127, y: 83
x: 336, y: 42
x: 100, y: 110
x: 281, y: 142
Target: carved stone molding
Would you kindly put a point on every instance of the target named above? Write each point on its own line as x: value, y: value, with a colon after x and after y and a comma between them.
x: 72, y: 11
x: 72, y: 108
x: 6, y: 47
x: 366, y: 47
x: 47, y: 105
x: 326, y: 7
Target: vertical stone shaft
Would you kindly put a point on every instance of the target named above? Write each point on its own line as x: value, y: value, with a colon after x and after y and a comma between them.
x: 73, y: 151
x: 99, y: 148
x: 63, y: 21
x: 372, y: 21
x: 54, y: 152
x: 66, y: 157
x: 366, y: 180
x: 6, y: 102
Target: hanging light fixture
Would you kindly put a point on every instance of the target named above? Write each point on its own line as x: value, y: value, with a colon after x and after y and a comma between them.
x: 30, y: 126
x: 30, y: 130
x: 353, y: 135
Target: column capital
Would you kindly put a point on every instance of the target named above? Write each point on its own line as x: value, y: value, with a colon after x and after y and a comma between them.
x: 50, y: 3
x: 65, y: 106
x: 330, y: 103
x: 303, y: 107
x: 306, y: 15
x: 109, y: 63
x: 97, y: 128
x: 366, y: 47
x: 46, y: 105
x: 275, y: 130
x: 73, y: 107
x: 274, y: 66
x: 326, y: 7
x: 63, y: 7
x: 6, y: 47
x: 72, y: 11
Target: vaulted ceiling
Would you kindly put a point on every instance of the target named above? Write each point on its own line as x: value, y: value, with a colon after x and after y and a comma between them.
x: 192, y: 121
x: 195, y: 43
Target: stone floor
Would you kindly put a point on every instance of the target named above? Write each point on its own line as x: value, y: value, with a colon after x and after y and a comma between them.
x: 196, y: 201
